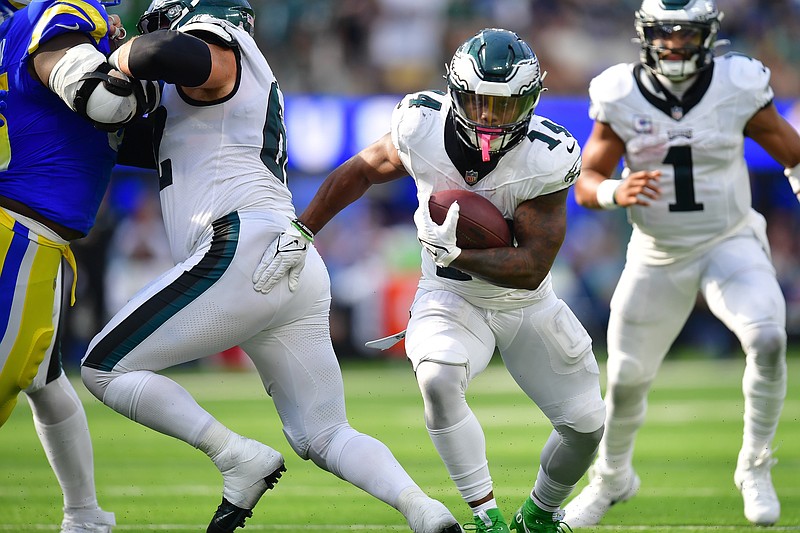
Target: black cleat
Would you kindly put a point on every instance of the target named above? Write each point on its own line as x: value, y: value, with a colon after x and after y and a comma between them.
x: 228, y: 516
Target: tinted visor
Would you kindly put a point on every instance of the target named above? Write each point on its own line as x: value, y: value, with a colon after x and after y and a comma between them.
x: 496, y: 111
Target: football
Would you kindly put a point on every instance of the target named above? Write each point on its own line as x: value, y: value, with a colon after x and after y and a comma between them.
x: 480, y: 223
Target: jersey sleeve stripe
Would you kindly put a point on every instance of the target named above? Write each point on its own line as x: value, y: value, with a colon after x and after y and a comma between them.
x: 66, y: 17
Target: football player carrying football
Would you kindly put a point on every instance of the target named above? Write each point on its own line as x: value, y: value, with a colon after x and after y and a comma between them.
x: 220, y: 147
x: 679, y: 118
x: 483, y: 136
x: 54, y: 170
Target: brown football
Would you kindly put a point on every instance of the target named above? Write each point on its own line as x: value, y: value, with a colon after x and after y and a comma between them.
x: 480, y: 223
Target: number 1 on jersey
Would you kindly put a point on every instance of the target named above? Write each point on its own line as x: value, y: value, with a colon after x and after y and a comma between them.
x: 680, y: 157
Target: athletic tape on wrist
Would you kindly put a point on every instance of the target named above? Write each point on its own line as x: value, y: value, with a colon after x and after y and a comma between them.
x: 605, y: 194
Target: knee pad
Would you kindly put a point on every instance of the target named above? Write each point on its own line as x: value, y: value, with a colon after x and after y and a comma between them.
x: 629, y: 370
x: 764, y: 344
x: 590, y: 421
x: 443, y: 389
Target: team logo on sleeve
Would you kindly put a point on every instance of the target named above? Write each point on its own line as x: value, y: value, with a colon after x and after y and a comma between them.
x: 574, y: 172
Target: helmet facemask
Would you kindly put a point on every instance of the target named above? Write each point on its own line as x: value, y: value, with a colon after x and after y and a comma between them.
x: 494, y: 83
x: 172, y: 14
x: 162, y: 15
x: 678, y: 40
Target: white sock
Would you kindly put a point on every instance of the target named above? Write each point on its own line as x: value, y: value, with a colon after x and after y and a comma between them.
x: 160, y: 404
x: 763, y: 402
x: 366, y: 463
x: 63, y: 430
x: 462, y: 448
x: 68, y: 447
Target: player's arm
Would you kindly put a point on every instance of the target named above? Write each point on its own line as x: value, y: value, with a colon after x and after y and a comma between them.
x: 206, y: 71
x: 595, y: 189
x: 71, y: 67
x: 377, y: 163
x: 285, y: 256
x: 779, y: 138
x: 540, y: 225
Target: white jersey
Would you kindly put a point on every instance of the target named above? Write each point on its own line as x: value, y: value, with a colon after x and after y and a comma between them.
x: 547, y: 160
x: 220, y: 157
x: 698, y: 145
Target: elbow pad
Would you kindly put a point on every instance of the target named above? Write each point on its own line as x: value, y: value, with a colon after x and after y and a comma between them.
x: 83, y: 81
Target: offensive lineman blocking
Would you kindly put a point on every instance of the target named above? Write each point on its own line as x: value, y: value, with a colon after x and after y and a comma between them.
x: 219, y: 145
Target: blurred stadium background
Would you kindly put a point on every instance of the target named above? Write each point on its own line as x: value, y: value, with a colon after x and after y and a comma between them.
x: 343, y: 65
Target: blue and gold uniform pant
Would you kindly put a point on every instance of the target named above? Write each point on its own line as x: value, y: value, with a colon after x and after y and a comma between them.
x: 30, y: 305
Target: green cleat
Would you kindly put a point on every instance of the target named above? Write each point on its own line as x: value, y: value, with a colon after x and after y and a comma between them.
x: 531, y: 519
x: 491, y: 521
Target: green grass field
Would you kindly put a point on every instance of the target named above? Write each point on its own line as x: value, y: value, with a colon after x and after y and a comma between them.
x: 685, y: 456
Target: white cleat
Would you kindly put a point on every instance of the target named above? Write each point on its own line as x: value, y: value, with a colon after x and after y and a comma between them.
x: 87, y: 521
x: 602, y: 492
x: 426, y: 515
x: 248, y: 469
x: 753, y: 479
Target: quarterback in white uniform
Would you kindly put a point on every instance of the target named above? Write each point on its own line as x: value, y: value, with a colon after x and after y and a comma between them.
x: 679, y: 118
x: 218, y: 141
x: 482, y: 136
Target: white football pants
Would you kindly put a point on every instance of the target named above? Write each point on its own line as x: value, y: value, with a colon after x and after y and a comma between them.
x: 649, y: 308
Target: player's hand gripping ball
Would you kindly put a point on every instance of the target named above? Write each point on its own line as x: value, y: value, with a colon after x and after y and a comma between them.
x: 480, y: 223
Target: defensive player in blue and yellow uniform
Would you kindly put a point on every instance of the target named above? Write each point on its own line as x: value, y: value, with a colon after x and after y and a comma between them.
x: 61, y: 107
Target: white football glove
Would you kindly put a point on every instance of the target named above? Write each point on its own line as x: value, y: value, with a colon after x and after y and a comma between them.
x: 439, y: 241
x: 793, y: 175
x: 285, y: 255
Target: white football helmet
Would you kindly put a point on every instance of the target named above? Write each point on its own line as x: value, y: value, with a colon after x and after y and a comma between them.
x: 172, y: 14
x: 494, y: 82
x: 691, y: 23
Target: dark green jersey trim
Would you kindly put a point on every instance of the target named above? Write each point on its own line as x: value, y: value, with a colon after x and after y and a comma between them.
x: 173, y: 298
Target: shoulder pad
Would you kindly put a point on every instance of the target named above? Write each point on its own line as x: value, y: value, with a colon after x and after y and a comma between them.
x: 57, y: 18
x: 413, y: 116
x: 744, y: 72
x: 555, y: 155
x: 205, y: 23
x: 612, y: 84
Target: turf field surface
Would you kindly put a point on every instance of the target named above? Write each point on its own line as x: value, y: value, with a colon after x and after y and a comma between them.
x: 685, y: 454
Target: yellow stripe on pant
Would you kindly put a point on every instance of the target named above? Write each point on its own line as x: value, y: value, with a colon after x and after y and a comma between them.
x: 29, y: 268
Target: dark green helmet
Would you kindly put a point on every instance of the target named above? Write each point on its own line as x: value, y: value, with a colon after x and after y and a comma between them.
x: 494, y: 82
x: 172, y: 14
